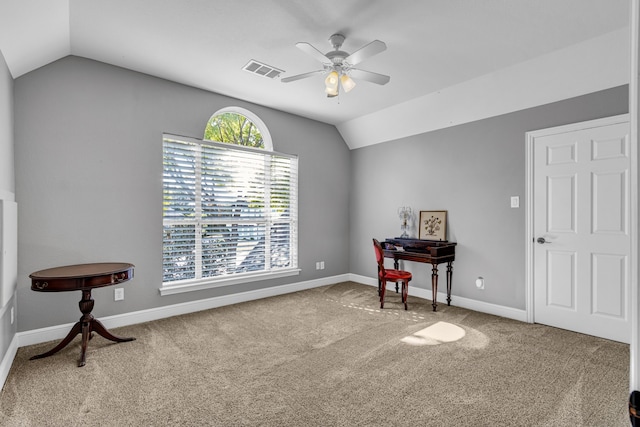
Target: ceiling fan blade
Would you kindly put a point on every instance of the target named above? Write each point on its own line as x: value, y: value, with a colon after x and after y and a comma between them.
x: 366, y: 51
x: 301, y: 76
x: 312, y: 51
x: 369, y: 76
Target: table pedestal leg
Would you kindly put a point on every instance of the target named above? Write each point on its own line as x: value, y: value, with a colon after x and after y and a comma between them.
x: 85, y: 326
x: 434, y: 285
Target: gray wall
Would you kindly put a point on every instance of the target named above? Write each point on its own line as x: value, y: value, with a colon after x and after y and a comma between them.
x: 471, y: 171
x: 7, y: 183
x: 7, y: 180
x: 88, y: 185
x: 88, y: 153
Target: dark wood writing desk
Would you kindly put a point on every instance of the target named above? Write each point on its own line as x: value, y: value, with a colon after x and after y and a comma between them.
x: 82, y: 277
x: 426, y: 251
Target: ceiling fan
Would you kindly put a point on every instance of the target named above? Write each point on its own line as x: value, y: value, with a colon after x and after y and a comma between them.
x: 338, y: 65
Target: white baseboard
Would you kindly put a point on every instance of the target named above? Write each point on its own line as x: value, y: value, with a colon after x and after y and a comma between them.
x: 37, y: 336
x: 7, y: 360
x: 483, y: 307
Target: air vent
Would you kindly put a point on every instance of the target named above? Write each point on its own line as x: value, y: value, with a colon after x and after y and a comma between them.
x: 261, y: 69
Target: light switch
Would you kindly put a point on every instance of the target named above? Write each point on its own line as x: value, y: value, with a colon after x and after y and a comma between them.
x: 515, y: 201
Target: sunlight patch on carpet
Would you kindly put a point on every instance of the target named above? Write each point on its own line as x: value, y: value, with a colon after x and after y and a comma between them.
x: 438, y: 333
x: 409, y: 315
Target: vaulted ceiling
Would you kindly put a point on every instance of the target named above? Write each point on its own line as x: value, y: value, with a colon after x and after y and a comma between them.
x: 450, y: 61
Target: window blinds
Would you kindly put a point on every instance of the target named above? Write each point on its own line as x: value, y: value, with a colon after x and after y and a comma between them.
x: 227, y: 210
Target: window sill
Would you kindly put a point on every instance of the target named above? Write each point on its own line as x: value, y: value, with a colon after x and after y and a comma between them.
x: 208, y: 283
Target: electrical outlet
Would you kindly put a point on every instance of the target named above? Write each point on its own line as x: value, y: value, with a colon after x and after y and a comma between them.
x: 480, y: 283
x: 515, y: 201
x: 118, y: 294
x: 321, y: 265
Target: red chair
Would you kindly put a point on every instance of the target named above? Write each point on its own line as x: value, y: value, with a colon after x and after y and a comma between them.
x: 390, y: 275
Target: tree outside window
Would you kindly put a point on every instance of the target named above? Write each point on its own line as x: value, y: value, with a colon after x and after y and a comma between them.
x: 233, y: 128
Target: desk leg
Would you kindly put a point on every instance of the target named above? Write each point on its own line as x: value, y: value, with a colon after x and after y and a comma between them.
x: 84, y: 326
x: 434, y: 285
x: 449, y: 277
x: 396, y: 265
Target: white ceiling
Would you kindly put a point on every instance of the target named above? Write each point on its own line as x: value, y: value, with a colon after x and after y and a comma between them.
x: 431, y: 45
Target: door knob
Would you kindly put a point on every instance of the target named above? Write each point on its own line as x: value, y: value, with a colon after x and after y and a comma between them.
x: 541, y: 240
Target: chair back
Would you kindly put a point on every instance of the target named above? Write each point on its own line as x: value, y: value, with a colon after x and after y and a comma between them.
x: 379, y: 257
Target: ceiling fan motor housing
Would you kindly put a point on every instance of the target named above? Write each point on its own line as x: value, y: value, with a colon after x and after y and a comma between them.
x: 337, y: 56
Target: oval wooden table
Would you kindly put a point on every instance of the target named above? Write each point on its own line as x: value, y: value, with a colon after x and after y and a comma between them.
x: 82, y: 277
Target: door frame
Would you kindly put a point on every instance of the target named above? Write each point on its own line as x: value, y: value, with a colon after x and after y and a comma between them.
x: 633, y: 213
x: 634, y: 110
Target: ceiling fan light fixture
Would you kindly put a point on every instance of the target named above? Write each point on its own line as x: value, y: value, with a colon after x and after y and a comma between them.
x: 331, y: 84
x: 347, y: 83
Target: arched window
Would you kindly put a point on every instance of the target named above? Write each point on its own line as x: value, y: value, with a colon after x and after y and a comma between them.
x: 230, y: 206
x: 235, y: 125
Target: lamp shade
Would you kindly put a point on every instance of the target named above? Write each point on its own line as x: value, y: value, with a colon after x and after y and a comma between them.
x: 347, y: 83
x: 331, y: 84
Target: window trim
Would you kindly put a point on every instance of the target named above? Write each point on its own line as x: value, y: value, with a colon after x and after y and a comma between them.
x: 189, y: 285
x: 183, y: 286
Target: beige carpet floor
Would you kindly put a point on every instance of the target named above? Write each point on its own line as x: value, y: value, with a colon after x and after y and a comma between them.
x: 325, y: 357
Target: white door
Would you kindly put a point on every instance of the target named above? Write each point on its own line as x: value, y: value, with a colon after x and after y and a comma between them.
x: 581, y: 219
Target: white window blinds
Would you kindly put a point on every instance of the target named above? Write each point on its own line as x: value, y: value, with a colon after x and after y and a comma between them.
x: 227, y: 210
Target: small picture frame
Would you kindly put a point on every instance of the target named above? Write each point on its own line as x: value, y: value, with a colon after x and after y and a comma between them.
x: 433, y: 225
